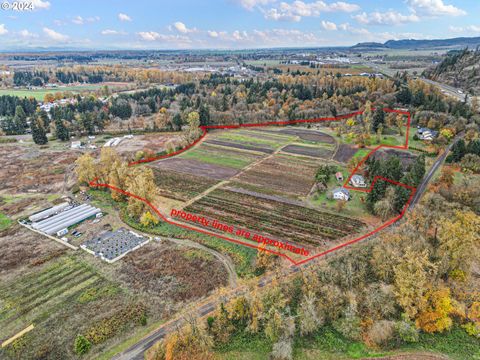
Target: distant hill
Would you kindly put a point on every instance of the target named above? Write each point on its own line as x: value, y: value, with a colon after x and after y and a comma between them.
x: 460, y: 42
x: 459, y: 69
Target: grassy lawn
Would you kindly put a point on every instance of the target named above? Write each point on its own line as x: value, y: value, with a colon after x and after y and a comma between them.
x: 361, y: 153
x: 5, y: 222
x: 246, y: 139
x: 216, y: 157
x: 40, y: 93
x: 355, y: 207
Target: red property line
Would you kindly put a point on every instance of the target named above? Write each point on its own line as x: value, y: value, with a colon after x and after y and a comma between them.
x: 204, y: 129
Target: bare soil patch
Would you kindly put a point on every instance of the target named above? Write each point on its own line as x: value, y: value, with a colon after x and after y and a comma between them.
x: 240, y: 146
x: 344, y: 153
x: 153, y: 143
x: 309, y: 135
x: 308, y: 151
x: 180, y: 186
x: 406, y: 157
x: 26, y: 168
x: 22, y: 249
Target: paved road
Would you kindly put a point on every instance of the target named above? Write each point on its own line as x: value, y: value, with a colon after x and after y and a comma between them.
x: 449, y: 90
x: 433, y: 169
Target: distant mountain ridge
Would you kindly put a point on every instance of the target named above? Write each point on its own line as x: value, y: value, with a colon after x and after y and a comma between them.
x: 459, y: 42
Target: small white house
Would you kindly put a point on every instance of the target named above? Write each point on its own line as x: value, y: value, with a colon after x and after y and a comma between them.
x: 76, y: 145
x: 341, y: 194
x: 358, y: 181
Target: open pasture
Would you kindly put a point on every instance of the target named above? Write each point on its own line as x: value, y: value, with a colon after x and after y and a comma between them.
x: 219, y: 156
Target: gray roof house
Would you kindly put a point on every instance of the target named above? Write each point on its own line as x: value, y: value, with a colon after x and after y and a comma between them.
x: 358, y: 181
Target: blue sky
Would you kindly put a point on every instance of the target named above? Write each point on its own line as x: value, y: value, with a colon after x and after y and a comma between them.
x: 232, y: 24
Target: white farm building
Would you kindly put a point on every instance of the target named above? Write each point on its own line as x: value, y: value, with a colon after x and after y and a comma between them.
x: 64, y: 219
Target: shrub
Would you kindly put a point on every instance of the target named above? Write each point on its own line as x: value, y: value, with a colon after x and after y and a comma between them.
x: 406, y: 330
x: 381, y: 332
x: 472, y: 329
x: 82, y: 345
x: 471, y: 162
x: 349, y: 326
x: 282, y: 350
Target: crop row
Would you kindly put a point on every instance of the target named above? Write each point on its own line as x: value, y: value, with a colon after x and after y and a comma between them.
x: 287, y: 221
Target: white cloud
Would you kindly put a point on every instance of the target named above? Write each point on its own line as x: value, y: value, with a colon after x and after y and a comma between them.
x: 3, y: 29
x: 92, y: 19
x: 327, y: 25
x: 40, y: 4
x: 462, y: 29
x: 212, y: 34
x: 27, y: 34
x: 260, y: 38
x: 385, y: 18
x: 53, y: 35
x: 124, y: 17
x: 275, y: 14
x: 155, y: 36
x: 296, y: 10
x: 149, y: 35
x: 112, y: 32
x: 358, y: 31
x: 434, y: 8
x: 251, y: 4
x: 78, y: 20
x: 182, y: 28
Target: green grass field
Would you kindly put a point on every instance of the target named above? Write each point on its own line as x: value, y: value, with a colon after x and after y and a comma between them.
x: 246, y: 138
x: 211, y: 155
x: 40, y: 94
x: 5, y: 222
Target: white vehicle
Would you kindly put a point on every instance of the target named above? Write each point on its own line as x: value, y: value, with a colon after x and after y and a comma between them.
x: 460, y: 91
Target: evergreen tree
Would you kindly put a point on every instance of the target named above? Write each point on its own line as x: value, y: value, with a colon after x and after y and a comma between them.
x: 418, y: 170
x: 378, y: 118
x: 61, y: 130
x: 402, y: 194
x: 45, y: 119
x: 392, y: 168
x: 177, y: 121
x: 20, y: 120
x: 38, y: 132
x: 9, y: 126
x: 204, y: 115
x: 473, y: 147
x: 458, y: 151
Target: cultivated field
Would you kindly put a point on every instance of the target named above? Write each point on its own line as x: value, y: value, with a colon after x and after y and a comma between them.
x: 261, y: 180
